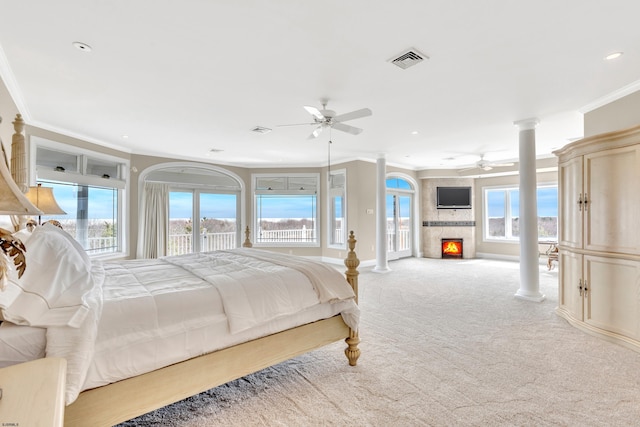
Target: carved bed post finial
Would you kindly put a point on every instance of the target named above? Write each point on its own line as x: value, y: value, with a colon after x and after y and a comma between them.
x: 18, y: 166
x: 19, y: 155
x: 247, y: 241
x: 351, y: 262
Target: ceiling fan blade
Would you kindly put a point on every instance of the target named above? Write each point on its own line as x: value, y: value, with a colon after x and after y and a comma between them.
x: 346, y: 128
x: 316, y: 132
x: 364, y: 112
x: 314, y: 112
x: 501, y: 165
x: 467, y: 169
x: 297, y: 124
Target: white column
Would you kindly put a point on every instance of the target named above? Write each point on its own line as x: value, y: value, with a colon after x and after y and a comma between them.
x: 528, y: 205
x: 381, y: 216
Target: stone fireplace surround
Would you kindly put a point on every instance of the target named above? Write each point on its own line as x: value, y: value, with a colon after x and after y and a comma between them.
x: 446, y: 223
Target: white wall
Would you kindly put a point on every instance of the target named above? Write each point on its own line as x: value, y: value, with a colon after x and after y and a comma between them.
x: 617, y: 115
x: 8, y: 111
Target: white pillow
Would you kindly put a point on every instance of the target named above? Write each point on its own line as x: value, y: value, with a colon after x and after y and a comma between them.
x: 23, y: 235
x: 52, y: 290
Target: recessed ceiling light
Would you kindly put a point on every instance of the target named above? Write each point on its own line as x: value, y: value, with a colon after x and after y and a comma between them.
x: 415, y: 132
x: 82, y: 46
x: 125, y: 136
x: 613, y: 55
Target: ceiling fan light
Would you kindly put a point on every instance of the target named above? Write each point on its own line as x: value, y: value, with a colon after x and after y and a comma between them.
x: 613, y: 55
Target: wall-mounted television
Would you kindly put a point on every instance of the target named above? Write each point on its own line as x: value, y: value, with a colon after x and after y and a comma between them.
x: 453, y: 197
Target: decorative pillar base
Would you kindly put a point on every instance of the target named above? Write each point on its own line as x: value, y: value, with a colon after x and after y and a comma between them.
x: 524, y: 295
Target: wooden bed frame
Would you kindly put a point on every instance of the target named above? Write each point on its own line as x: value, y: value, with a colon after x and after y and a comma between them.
x: 123, y: 400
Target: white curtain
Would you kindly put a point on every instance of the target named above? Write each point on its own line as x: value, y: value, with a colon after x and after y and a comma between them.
x: 154, y: 221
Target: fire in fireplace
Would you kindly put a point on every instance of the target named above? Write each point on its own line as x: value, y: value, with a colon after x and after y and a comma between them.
x: 451, y: 248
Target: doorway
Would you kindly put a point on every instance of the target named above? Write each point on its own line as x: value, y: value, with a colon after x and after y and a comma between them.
x: 399, y: 201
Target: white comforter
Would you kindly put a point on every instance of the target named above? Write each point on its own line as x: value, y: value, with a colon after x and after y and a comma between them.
x: 139, y: 301
x: 258, y: 286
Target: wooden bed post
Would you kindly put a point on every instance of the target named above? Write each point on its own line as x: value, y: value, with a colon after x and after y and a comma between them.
x: 18, y: 166
x: 247, y: 242
x: 352, y: 262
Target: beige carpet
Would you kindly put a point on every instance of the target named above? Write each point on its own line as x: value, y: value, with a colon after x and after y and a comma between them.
x: 444, y: 343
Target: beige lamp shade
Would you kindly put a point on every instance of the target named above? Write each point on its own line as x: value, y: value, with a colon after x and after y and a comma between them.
x: 12, y: 201
x: 42, y: 198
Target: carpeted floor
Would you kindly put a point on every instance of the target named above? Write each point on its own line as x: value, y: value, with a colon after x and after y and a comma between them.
x: 444, y: 343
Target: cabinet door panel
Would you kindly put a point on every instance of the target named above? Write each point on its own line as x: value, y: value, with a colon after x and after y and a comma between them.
x: 569, y: 295
x: 612, y: 301
x: 569, y: 211
x: 611, y: 181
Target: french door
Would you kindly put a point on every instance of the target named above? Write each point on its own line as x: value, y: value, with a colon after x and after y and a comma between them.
x: 399, y: 220
x: 202, y: 221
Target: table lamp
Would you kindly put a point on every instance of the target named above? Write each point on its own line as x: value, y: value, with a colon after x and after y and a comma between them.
x: 42, y: 198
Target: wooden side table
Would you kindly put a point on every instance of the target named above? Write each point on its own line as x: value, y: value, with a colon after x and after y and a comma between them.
x: 551, y: 253
x: 33, y: 393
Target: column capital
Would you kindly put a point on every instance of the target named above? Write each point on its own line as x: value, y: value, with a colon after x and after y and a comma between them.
x: 382, y: 155
x: 526, y: 124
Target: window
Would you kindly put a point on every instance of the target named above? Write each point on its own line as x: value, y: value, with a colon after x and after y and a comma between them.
x: 337, y: 209
x: 90, y: 188
x: 398, y: 183
x: 502, y: 213
x: 91, y: 215
x: 204, y: 207
x: 286, y: 209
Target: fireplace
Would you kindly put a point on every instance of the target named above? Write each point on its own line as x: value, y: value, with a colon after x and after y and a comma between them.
x: 451, y: 248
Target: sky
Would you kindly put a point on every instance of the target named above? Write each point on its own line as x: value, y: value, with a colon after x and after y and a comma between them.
x: 547, y: 202
x: 101, y: 201
x: 211, y: 205
x: 224, y: 206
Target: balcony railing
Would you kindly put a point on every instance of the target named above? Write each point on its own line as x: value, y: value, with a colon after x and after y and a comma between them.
x: 404, y: 240
x: 179, y: 244
x: 287, y: 236
x: 100, y: 245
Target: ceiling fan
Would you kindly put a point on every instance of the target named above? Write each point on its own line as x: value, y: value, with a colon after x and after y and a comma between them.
x: 485, y: 165
x: 327, y: 118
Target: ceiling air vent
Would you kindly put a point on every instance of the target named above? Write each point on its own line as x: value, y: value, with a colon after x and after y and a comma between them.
x: 408, y: 58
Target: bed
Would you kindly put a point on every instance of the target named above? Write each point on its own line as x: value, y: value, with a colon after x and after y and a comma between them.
x: 141, y: 334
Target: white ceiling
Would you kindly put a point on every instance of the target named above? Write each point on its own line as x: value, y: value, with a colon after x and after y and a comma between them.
x: 181, y: 78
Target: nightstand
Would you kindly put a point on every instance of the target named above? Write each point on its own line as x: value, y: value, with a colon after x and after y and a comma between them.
x: 33, y: 393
